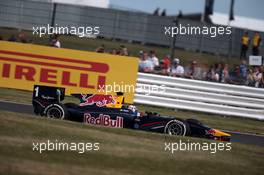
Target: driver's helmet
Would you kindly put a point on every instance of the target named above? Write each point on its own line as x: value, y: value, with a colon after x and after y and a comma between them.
x: 132, y: 108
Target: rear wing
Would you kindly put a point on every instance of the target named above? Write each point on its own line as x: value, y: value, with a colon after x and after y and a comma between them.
x: 48, y: 94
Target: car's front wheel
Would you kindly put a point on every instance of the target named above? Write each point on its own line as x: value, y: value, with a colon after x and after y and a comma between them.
x: 177, y: 127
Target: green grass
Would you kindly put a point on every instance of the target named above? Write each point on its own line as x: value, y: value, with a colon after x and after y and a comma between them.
x: 73, y: 42
x: 122, y: 151
x: 215, y: 121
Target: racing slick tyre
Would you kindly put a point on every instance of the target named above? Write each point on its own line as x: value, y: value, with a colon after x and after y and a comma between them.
x: 177, y: 127
x: 56, y: 111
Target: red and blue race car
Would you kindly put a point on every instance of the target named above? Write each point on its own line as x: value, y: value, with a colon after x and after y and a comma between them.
x: 110, y: 111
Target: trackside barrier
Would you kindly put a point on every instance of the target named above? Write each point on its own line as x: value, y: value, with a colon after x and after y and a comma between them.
x: 202, y: 96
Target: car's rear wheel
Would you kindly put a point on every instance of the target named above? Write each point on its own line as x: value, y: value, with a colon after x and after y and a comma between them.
x: 177, y: 127
x: 56, y: 111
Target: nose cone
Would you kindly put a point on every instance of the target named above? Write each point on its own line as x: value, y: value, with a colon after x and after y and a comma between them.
x: 219, y: 133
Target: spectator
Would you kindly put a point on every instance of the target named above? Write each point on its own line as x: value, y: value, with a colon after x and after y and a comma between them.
x: 22, y: 37
x: 218, y: 72
x: 235, y: 75
x: 262, y: 78
x: 245, y: 40
x: 123, y: 50
x: 100, y: 49
x: 118, y: 51
x: 56, y: 42
x: 257, y: 75
x: 156, y: 12
x: 12, y: 38
x: 164, y: 70
x: 140, y: 54
x: 193, y: 71
x: 1, y: 38
x: 250, y: 78
x: 176, y: 69
x: 225, y: 74
x: 243, y: 70
x: 256, y: 43
x: 163, y: 13
x: 113, y: 52
x: 153, y: 59
x: 145, y: 65
x: 166, y: 62
x: 211, y: 74
x: 180, y: 14
x: 164, y: 66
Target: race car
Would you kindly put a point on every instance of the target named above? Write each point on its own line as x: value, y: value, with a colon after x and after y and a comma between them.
x: 110, y: 111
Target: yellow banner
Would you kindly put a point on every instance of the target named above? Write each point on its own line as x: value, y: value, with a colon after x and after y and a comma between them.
x: 23, y: 65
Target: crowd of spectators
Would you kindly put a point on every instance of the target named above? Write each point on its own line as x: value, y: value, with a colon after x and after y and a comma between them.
x: 242, y: 74
x: 122, y: 50
x: 22, y: 37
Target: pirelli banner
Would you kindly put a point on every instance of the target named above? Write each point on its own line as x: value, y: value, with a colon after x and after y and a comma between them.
x: 23, y: 65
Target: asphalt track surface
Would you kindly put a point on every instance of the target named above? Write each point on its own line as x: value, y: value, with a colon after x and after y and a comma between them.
x: 244, y: 138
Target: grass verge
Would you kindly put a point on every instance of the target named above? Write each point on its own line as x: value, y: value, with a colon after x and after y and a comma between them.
x: 122, y: 151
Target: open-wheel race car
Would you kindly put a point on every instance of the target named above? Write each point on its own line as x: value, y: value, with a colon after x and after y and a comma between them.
x: 110, y: 111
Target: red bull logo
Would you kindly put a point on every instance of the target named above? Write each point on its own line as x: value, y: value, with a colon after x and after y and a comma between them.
x: 99, y: 99
x: 104, y: 120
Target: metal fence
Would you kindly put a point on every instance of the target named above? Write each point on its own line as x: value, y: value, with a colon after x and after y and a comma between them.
x: 116, y: 24
x: 202, y: 96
